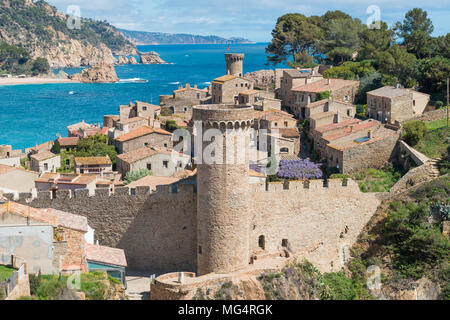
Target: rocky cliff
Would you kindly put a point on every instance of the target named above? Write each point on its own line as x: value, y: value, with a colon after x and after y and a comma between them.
x: 102, y: 73
x: 151, y: 58
x: 44, y: 32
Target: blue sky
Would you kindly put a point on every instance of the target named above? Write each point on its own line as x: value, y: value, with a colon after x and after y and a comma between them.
x: 252, y: 19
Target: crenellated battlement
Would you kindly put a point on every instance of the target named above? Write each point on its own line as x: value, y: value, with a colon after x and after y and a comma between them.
x: 141, y: 192
x: 323, y: 186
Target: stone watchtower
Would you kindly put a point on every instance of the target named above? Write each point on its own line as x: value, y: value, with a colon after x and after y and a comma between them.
x: 235, y: 64
x: 223, y: 188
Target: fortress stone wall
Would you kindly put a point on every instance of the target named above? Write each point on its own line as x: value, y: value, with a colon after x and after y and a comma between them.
x: 158, y: 231
x: 316, y: 222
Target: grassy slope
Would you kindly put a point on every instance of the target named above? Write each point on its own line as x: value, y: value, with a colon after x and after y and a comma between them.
x: 5, y: 273
x: 436, y: 141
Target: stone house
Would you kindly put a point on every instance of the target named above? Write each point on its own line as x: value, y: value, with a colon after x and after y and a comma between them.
x: 158, y: 161
x: 190, y: 93
x: 330, y: 106
x: 293, y: 78
x: 341, y: 91
x: 56, y: 181
x: 16, y: 179
x: 389, y: 104
x: 66, y: 144
x: 259, y: 99
x: 10, y: 157
x: 45, y: 161
x: 143, y: 137
x: 95, y: 165
x: 352, y: 144
x: 354, y: 153
x: 46, y: 146
x: 226, y: 89
x: 54, y: 241
x: 81, y: 129
x: 281, y: 127
x: 183, y: 99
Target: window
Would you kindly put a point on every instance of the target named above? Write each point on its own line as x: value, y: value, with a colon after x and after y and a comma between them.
x: 242, y: 85
x: 284, y: 243
x: 185, y: 109
x: 262, y: 242
x: 276, y: 124
x: 7, y: 154
x: 346, y: 98
x: 146, y: 144
x: 180, y: 164
x: 45, y: 166
x: 165, y: 164
x: 165, y: 145
x: 144, y: 108
x: 200, y: 251
x: 284, y: 150
x: 149, y: 166
x: 67, y: 162
x: 414, y: 102
x: 286, y: 124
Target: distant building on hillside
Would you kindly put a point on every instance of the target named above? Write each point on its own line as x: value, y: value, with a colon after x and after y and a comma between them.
x: 143, y: 137
x: 95, y: 165
x: 340, y: 91
x: 45, y: 161
x: 389, y: 104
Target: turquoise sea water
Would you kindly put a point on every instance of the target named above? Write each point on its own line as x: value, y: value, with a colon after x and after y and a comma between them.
x: 31, y: 114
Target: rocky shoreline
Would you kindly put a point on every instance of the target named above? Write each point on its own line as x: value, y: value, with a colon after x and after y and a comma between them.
x: 151, y: 57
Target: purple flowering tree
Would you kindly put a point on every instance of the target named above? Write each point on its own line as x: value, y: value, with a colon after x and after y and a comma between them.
x: 299, y: 169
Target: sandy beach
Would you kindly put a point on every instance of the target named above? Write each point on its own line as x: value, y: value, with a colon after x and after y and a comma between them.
x: 32, y: 80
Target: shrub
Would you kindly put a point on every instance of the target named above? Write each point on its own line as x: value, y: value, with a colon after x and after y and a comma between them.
x: 413, y: 131
x: 136, y: 175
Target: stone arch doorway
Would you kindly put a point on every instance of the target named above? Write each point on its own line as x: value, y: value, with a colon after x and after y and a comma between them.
x: 262, y: 242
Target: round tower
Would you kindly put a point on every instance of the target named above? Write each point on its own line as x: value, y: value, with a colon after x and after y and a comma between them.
x: 235, y: 64
x: 222, y: 188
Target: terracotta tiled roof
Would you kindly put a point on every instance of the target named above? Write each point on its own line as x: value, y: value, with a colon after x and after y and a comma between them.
x: 273, y: 115
x: 321, y: 115
x: 68, y: 142
x: 53, y: 217
x: 349, y: 131
x: 332, y: 126
x: 223, y: 79
x: 289, y: 132
x: 153, y: 181
x: 139, y: 132
x: 140, y: 154
x: 322, y: 85
x: 44, y: 146
x: 67, y: 179
x: 105, y: 255
x: 43, y: 155
x: 93, y: 160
